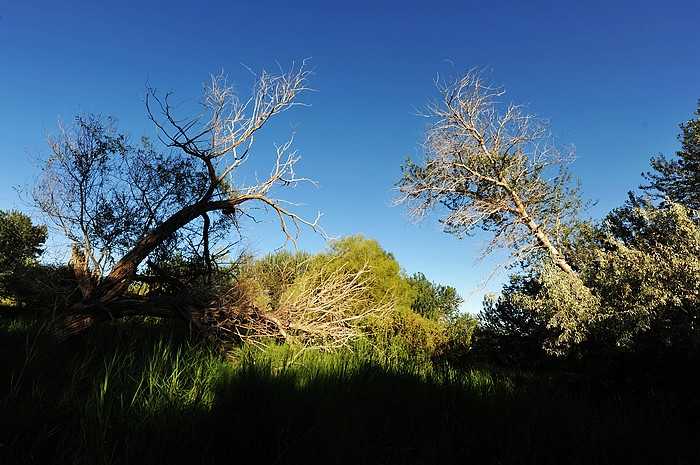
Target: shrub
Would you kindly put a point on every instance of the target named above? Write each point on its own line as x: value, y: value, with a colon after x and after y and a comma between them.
x: 20, y: 247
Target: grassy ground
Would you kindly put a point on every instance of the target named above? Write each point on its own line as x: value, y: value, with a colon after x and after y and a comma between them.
x: 137, y: 392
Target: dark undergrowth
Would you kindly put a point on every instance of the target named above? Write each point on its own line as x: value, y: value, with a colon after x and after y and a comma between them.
x: 146, y: 392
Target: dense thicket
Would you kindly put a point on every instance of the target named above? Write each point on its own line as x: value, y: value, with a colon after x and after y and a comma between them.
x: 353, y: 290
x: 640, y: 278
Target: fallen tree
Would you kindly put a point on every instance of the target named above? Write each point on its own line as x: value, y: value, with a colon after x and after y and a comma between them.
x: 120, y: 205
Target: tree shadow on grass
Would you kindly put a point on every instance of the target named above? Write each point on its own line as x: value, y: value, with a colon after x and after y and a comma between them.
x: 135, y: 393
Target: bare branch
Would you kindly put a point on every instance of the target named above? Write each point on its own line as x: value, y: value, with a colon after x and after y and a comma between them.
x: 326, y: 310
x: 119, y: 203
x: 490, y: 170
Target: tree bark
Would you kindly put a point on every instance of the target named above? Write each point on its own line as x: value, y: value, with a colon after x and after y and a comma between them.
x: 105, y: 302
x: 541, y: 236
x: 80, y: 270
x: 101, y: 302
x: 205, y: 246
x: 553, y: 252
x: 544, y: 240
x: 81, y: 318
x: 123, y: 272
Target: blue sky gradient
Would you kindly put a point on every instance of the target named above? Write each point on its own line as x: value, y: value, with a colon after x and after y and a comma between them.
x: 615, y: 78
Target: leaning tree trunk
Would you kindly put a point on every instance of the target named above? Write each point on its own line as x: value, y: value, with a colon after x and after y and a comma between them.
x: 83, y: 317
x: 123, y: 272
x: 103, y: 302
x: 542, y: 238
x: 554, y: 253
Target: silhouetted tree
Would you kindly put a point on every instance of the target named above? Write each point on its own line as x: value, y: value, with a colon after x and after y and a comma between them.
x: 679, y: 179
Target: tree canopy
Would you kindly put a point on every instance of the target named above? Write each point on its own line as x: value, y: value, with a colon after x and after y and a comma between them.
x: 20, y: 246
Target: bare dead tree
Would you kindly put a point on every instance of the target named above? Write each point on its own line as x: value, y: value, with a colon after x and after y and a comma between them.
x: 492, y: 170
x: 214, y: 145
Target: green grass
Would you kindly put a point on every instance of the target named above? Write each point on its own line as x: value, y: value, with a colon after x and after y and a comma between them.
x: 145, y: 392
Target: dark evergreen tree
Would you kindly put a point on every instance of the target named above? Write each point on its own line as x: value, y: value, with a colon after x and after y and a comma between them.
x: 20, y: 246
x: 679, y: 178
x: 509, y: 332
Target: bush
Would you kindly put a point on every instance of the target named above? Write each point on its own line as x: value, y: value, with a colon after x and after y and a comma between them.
x: 20, y: 247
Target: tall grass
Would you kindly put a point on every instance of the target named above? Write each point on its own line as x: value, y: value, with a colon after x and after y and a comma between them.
x: 144, y: 392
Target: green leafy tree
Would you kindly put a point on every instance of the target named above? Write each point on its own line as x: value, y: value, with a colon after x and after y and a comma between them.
x: 641, y: 280
x: 647, y: 275
x: 421, y: 320
x: 447, y: 333
x: 679, y: 178
x: 460, y: 331
x: 569, y: 308
x: 105, y: 194
x: 503, y: 315
x: 275, y: 272
x: 396, y: 330
x: 434, y: 301
x: 324, y: 301
x: 20, y: 247
x: 639, y: 272
x: 386, y: 279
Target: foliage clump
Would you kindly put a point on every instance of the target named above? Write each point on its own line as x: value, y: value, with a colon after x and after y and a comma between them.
x: 353, y: 291
x: 20, y: 247
x: 639, y: 275
x: 647, y: 273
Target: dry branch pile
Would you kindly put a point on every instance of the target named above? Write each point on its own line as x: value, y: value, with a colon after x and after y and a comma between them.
x: 326, y: 308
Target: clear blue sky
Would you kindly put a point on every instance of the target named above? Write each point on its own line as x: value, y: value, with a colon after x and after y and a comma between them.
x: 615, y: 78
